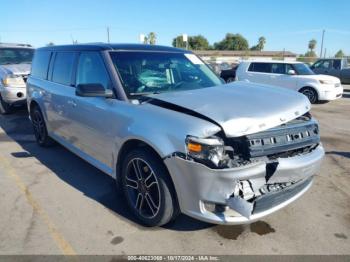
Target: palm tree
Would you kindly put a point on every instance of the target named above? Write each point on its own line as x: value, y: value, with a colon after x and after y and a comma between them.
x: 312, y: 44
x: 261, y: 43
x: 152, y: 37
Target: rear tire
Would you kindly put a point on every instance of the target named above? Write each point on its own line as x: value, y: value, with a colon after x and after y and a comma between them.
x: 39, y: 127
x: 148, y: 189
x: 310, y: 93
x: 5, y: 108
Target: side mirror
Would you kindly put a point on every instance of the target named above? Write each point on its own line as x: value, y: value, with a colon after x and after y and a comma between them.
x: 291, y: 72
x: 93, y: 90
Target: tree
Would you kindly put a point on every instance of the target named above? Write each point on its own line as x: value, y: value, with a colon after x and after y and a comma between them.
x: 232, y: 42
x: 312, y: 44
x: 339, y: 54
x: 197, y: 42
x: 151, y: 38
x: 178, y: 42
x: 260, y: 45
x: 310, y: 54
x: 50, y: 44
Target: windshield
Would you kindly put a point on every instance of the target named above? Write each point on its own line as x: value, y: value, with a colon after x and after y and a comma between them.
x: 303, y: 69
x: 156, y: 72
x: 15, y: 55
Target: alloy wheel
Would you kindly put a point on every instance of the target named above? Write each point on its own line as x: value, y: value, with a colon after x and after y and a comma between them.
x: 310, y: 94
x: 143, y: 188
x: 39, y: 126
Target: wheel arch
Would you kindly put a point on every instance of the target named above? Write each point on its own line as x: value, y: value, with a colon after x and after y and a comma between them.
x: 129, y: 145
x: 309, y: 86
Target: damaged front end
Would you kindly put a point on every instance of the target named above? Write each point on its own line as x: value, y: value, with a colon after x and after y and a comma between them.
x: 240, y: 179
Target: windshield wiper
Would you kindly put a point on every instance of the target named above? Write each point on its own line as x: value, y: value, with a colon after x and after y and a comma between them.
x: 145, y: 93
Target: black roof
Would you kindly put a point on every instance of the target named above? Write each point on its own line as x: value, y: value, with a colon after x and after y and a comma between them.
x: 106, y: 46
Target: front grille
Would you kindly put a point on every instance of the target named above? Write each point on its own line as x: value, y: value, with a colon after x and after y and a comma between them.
x: 282, y: 141
x: 273, y: 199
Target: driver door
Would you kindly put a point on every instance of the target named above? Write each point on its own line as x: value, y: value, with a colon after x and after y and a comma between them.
x: 91, y: 116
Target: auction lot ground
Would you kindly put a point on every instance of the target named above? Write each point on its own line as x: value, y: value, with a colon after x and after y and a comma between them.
x: 52, y: 202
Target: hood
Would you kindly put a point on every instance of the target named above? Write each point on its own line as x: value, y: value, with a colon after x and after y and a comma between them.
x: 241, y: 108
x: 16, y: 69
x: 333, y: 79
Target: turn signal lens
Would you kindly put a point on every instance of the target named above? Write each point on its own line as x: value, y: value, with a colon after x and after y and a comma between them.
x: 194, y: 147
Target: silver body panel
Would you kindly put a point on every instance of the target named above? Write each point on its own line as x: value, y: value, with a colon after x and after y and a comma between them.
x: 96, y: 129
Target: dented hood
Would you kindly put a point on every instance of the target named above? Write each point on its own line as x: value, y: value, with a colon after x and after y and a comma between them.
x: 241, y: 108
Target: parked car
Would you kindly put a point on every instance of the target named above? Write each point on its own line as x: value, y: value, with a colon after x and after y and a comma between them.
x: 292, y: 75
x: 229, y: 75
x: 337, y: 67
x: 160, y: 122
x: 15, y: 60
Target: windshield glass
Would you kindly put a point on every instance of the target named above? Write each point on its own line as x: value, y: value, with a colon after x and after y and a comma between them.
x: 303, y: 69
x: 156, y: 72
x: 15, y: 55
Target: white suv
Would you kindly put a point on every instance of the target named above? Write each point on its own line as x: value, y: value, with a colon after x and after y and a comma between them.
x: 293, y: 75
x: 15, y: 63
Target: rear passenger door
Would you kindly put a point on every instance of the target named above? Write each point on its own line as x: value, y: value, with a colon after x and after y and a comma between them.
x: 259, y: 72
x: 61, y: 75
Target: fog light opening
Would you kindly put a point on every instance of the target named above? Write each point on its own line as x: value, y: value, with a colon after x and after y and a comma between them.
x: 19, y: 94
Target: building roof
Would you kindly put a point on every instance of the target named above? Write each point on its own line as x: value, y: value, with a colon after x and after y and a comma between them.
x: 15, y: 45
x: 244, y: 53
x: 106, y: 46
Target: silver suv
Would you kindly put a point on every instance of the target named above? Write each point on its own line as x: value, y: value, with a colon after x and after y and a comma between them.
x: 15, y: 61
x: 176, y: 139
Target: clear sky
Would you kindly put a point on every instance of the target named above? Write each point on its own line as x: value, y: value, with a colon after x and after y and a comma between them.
x: 285, y: 24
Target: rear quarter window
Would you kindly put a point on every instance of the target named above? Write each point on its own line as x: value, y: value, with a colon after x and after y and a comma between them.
x: 40, y: 64
x: 260, y: 67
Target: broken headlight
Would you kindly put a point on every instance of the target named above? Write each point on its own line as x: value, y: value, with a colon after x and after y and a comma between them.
x: 210, y: 151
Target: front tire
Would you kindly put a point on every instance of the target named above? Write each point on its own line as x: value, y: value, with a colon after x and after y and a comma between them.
x: 5, y: 108
x: 148, y: 189
x: 39, y: 127
x: 310, y: 93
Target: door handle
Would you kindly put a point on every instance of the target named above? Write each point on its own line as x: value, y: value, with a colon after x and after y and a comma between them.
x: 72, y: 103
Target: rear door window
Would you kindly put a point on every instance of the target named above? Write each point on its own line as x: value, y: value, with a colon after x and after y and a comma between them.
x: 63, y: 68
x: 40, y: 64
x: 260, y: 67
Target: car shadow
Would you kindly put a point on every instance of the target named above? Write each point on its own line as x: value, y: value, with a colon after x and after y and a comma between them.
x: 78, y: 173
x: 339, y: 153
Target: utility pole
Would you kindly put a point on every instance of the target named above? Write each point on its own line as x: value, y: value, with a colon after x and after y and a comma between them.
x: 322, y: 42
x: 325, y: 51
x: 107, y: 34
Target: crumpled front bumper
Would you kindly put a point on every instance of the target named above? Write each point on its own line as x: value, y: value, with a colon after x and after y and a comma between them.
x: 196, y: 185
